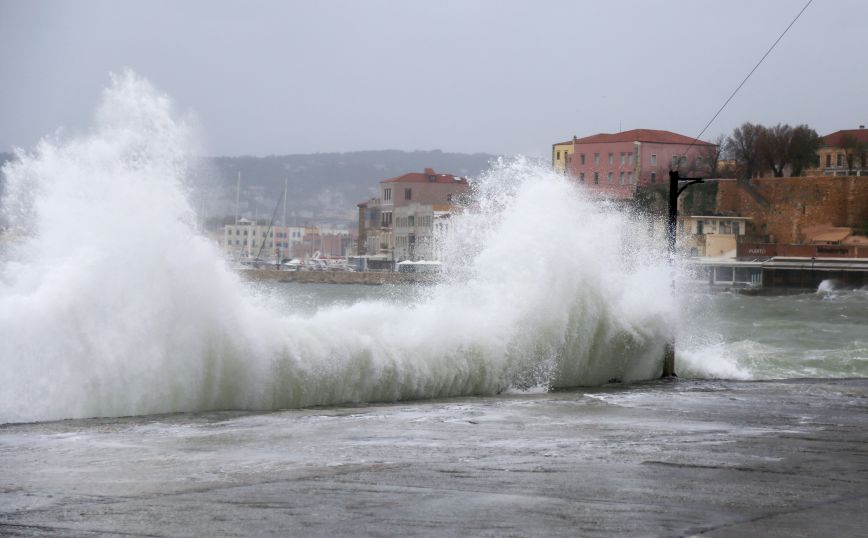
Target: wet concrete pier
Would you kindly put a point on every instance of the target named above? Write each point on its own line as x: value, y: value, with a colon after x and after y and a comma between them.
x: 784, y: 458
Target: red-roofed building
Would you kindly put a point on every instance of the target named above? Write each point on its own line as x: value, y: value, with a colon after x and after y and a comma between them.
x: 419, y: 202
x: 835, y: 150
x: 614, y: 164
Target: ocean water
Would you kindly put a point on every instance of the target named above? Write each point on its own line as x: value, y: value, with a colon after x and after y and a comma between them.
x: 111, y: 304
x: 722, y: 335
x: 822, y: 335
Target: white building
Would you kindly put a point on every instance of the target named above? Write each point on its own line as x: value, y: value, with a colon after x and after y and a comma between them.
x: 250, y: 240
x: 418, y: 228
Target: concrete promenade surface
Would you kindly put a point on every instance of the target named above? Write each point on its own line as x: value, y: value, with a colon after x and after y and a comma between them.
x: 710, y: 458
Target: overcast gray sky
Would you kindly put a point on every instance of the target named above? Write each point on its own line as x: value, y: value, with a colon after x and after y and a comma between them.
x: 495, y: 76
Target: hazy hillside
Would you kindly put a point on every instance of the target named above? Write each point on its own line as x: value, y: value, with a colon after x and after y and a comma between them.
x: 321, y: 186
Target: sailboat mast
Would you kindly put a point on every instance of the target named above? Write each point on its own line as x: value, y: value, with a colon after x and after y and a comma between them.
x: 237, y: 196
x: 285, y: 183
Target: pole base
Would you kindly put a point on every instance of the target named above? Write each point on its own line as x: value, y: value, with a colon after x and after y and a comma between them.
x: 669, y: 360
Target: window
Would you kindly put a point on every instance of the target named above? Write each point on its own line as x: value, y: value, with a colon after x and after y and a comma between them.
x: 840, y: 159
x: 653, y: 177
x: 735, y: 228
x: 387, y: 194
x: 725, y: 227
x: 408, y: 194
x: 596, y: 158
x: 582, y: 177
x: 653, y: 158
x: 630, y: 157
x: 723, y: 274
x: 582, y: 158
x: 558, y: 156
x: 596, y: 178
x: 622, y: 178
x: 623, y: 158
x: 609, y: 178
x: 245, y: 232
x: 385, y: 221
x: 700, y: 227
x: 828, y: 160
x: 411, y: 220
x: 611, y: 158
x: 630, y: 177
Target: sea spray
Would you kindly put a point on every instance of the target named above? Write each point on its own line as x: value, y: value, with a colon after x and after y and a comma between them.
x: 111, y: 303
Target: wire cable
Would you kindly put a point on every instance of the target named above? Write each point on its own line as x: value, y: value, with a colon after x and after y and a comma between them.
x: 787, y: 29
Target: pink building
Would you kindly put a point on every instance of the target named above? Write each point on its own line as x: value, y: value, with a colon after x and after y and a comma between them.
x: 614, y: 164
x: 427, y: 188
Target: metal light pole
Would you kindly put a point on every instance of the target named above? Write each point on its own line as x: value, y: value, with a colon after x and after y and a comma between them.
x: 675, y: 190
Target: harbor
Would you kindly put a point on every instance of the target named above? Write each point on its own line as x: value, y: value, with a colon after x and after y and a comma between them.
x: 423, y: 269
x: 779, y: 275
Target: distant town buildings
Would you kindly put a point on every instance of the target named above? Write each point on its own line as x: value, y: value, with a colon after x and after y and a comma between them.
x: 614, y: 164
x: 724, y: 223
x: 412, y: 209
x: 247, y: 239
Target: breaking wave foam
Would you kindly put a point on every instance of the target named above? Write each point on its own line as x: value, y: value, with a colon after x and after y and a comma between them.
x: 111, y: 304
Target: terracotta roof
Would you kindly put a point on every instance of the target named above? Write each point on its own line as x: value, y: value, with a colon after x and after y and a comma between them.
x: 833, y: 236
x: 827, y: 234
x: 857, y: 240
x: 835, y: 138
x: 642, y: 135
x: 423, y: 177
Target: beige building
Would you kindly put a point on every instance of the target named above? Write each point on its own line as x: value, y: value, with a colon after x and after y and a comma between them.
x: 844, y: 153
x: 416, y: 198
x: 562, y: 155
x: 711, y: 236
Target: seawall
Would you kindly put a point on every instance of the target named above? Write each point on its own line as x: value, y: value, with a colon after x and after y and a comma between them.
x: 338, y: 277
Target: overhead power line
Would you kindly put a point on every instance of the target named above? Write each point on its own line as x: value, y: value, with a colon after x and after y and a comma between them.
x: 787, y: 29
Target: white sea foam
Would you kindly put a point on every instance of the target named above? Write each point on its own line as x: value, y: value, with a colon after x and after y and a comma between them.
x: 111, y: 304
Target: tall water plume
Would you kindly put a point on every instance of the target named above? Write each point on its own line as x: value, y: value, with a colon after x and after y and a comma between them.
x: 111, y: 304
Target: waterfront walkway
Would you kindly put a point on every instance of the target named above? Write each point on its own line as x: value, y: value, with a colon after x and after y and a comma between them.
x: 787, y: 458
